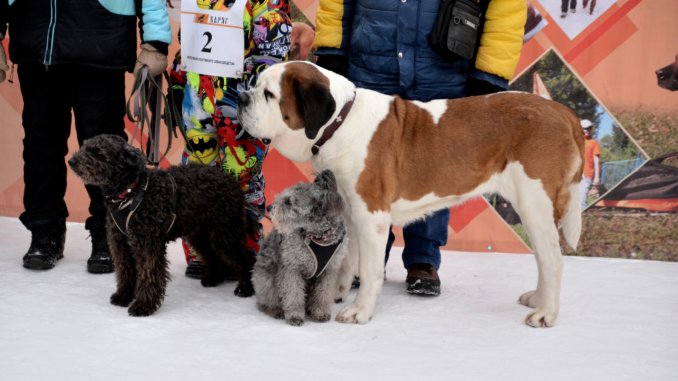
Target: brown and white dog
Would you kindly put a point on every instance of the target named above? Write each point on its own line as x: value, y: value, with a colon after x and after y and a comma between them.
x: 395, y: 161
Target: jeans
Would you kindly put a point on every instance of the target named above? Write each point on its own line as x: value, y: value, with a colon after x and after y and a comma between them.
x: 563, y: 5
x: 584, y: 187
x: 97, y: 98
x: 423, y: 239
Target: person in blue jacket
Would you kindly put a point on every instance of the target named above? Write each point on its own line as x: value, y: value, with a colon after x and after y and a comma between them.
x: 71, y: 56
x: 383, y: 45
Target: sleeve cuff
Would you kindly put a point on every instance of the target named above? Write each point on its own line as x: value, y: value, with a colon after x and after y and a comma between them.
x: 161, y: 46
x: 491, y: 78
x: 330, y: 52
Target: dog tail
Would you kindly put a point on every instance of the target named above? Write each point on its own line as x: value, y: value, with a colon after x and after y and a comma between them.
x: 571, y: 221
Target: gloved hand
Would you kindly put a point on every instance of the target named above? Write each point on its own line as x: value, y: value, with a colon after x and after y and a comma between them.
x: 3, y: 60
x: 334, y: 62
x: 151, y: 57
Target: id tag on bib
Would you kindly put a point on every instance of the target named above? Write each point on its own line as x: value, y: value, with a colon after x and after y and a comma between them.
x: 212, y: 37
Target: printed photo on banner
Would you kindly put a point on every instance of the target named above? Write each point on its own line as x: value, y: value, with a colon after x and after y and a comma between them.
x: 212, y: 37
x: 610, y: 154
x: 573, y: 16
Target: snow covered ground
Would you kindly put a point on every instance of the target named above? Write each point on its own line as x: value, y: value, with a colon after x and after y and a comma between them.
x: 618, y: 321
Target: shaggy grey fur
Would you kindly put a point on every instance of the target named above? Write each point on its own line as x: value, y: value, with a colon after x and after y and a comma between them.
x: 282, y: 274
x: 206, y: 205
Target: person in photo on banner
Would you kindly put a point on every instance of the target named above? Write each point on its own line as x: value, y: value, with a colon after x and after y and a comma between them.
x: 209, y: 102
x: 384, y: 46
x: 591, y: 174
x: 71, y: 57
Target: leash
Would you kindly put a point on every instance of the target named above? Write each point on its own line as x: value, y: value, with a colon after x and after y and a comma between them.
x: 144, y: 108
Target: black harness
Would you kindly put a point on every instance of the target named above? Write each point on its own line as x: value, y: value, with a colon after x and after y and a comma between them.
x: 322, y: 252
x: 122, y: 215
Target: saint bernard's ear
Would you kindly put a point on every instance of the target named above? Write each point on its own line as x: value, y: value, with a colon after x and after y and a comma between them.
x: 306, y: 101
x: 316, y: 105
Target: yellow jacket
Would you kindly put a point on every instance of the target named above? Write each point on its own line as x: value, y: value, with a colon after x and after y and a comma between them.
x: 500, y: 43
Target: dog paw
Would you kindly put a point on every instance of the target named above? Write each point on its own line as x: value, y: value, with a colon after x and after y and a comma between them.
x: 244, y: 291
x: 211, y: 281
x: 139, y: 309
x: 541, y: 317
x: 319, y: 315
x: 122, y: 300
x: 354, y: 313
x: 295, y: 321
x: 530, y: 299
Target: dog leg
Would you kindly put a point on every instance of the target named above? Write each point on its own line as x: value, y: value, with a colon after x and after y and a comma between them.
x: 245, y: 288
x: 214, y: 273
x: 372, y: 242
x: 349, y: 265
x: 319, y: 304
x: 291, y: 288
x: 537, y: 218
x: 125, y: 269
x: 152, y: 277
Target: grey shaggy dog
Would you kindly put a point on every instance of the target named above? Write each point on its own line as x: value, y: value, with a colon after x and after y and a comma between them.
x: 148, y: 208
x: 303, y: 215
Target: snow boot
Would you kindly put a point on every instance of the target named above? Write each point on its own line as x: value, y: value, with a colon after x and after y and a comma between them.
x: 195, y: 269
x: 100, y: 262
x: 422, y: 279
x: 47, y: 247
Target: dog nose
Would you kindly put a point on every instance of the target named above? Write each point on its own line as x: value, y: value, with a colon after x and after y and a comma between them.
x: 244, y: 98
x: 660, y: 74
x: 268, y: 208
x: 266, y: 141
x: 72, y: 161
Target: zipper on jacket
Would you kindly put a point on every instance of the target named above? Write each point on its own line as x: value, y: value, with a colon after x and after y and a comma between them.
x: 49, y: 43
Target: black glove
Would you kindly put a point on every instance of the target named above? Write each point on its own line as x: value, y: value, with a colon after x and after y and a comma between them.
x: 475, y: 86
x: 334, y: 62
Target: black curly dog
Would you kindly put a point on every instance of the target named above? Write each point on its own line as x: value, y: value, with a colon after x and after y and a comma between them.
x: 149, y: 208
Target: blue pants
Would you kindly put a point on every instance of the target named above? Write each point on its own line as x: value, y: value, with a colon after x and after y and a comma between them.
x: 423, y: 239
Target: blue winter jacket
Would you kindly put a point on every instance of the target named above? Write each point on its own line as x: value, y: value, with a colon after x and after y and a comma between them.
x: 387, y: 45
x: 100, y: 33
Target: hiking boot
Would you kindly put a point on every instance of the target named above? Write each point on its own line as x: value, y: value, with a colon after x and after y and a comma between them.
x: 47, y: 247
x: 422, y: 279
x: 195, y: 269
x: 100, y: 262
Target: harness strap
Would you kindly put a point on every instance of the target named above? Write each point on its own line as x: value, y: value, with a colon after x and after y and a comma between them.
x: 322, y: 254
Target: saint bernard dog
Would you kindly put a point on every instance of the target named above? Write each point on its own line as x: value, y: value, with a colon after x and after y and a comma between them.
x: 396, y: 161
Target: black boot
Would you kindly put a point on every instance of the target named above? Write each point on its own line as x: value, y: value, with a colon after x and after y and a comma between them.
x: 195, y: 269
x: 47, y: 247
x: 100, y: 262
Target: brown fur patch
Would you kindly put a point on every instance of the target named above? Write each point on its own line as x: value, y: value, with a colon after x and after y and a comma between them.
x: 296, y: 76
x: 410, y: 156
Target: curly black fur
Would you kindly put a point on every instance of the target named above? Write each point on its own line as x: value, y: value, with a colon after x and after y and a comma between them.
x: 210, y: 213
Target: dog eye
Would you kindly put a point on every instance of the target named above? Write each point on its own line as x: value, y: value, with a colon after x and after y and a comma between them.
x: 268, y: 95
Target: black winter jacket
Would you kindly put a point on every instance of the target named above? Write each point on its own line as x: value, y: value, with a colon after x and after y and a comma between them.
x: 54, y: 32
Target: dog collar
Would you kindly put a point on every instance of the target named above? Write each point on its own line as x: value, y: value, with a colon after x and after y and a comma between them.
x: 322, y: 253
x: 332, y: 128
x: 123, y: 195
x: 127, y: 206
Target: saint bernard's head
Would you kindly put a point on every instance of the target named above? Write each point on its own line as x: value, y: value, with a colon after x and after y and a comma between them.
x: 290, y: 105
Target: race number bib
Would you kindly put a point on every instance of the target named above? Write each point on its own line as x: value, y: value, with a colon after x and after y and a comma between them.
x: 212, y: 37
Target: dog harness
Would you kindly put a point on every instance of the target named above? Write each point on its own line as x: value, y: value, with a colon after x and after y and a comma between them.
x: 322, y: 252
x: 122, y: 215
x: 332, y: 128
